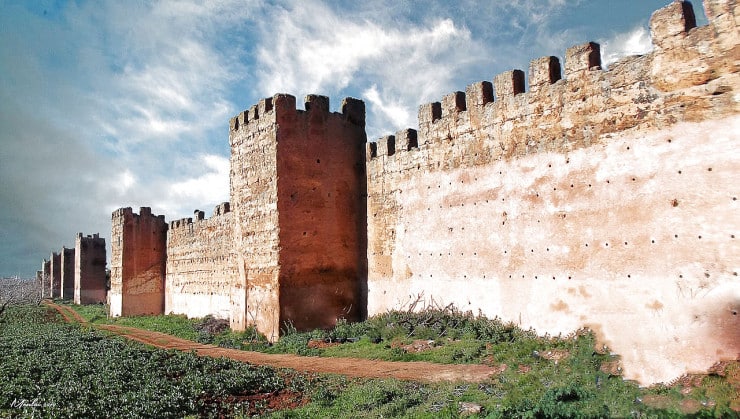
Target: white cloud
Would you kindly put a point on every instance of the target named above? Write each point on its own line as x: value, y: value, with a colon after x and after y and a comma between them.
x: 160, y: 97
x: 388, y: 114
x: 311, y: 48
x: 635, y: 42
x: 400, y: 60
x: 209, y: 186
x: 124, y: 182
x: 396, y: 112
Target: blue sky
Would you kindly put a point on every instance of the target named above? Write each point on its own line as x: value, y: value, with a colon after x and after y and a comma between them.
x: 107, y: 104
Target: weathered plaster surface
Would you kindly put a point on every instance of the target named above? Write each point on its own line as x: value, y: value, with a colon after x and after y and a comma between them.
x: 641, y: 253
x: 254, y: 290
x: 605, y: 199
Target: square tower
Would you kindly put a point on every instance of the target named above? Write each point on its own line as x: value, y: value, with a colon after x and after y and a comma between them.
x: 55, y: 276
x: 90, y: 280
x: 138, y: 261
x: 297, y: 193
x: 46, y: 279
x: 68, y: 273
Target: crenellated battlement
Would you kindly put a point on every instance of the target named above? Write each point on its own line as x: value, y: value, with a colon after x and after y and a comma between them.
x: 122, y: 212
x: 128, y: 214
x: 571, y: 106
x: 253, y: 113
x: 283, y: 105
x: 543, y: 72
x: 222, y: 209
x: 182, y: 222
x: 404, y: 140
x: 671, y: 24
x: 89, y: 236
x: 200, y: 216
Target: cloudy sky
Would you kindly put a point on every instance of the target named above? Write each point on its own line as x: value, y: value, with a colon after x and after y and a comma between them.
x: 107, y: 104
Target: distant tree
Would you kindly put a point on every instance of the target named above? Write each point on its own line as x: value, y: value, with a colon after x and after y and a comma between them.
x: 18, y: 291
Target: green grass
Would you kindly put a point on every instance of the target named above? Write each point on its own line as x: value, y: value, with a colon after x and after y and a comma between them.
x: 176, y: 325
x: 531, y: 384
x: 179, y: 326
x: 94, y: 313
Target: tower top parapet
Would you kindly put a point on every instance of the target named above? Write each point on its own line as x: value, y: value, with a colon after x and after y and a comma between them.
x: 284, y: 105
x: 128, y: 213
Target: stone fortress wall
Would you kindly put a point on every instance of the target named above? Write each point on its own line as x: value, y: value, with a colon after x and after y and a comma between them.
x: 288, y: 247
x: 599, y: 198
x: 199, y: 264
x: 605, y: 198
x: 76, y: 273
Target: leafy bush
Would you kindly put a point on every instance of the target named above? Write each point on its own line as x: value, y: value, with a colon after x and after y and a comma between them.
x: 435, y: 323
x: 294, y: 342
x: 341, y: 398
x: 344, y: 330
x: 250, y: 340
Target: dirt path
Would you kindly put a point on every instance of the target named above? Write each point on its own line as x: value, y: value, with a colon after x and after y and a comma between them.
x: 353, y: 367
